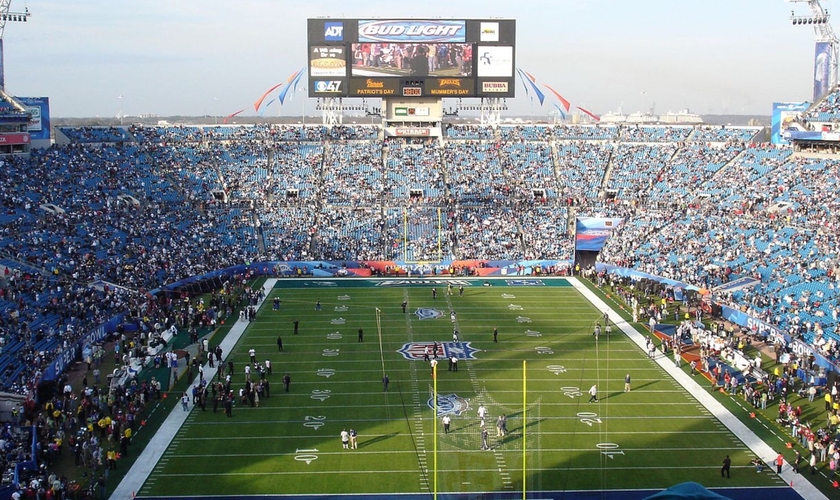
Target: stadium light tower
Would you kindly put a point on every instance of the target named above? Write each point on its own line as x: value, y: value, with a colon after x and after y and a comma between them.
x: 7, y: 16
x: 826, y: 47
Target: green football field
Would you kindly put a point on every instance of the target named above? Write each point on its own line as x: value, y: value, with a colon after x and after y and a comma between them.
x: 538, y: 375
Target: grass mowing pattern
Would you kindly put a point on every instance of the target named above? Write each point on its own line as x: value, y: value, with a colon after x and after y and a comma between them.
x: 655, y: 436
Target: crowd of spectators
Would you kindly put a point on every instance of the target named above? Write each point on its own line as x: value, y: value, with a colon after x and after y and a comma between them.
x: 138, y: 207
x: 157, y: 204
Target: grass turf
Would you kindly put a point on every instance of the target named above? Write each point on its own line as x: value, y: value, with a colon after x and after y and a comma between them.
x: 653, y: 437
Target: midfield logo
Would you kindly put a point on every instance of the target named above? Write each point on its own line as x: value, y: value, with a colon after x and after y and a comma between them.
x: 415, y: 351
x: 525, y: 282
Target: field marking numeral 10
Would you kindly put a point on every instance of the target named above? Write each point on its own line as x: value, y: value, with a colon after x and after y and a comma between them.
x: 314, y: 422
x: 320, y: 395
x: 572, y: 392
x: 610, y: 449
x: 307, y: 456
x: 589, y: 418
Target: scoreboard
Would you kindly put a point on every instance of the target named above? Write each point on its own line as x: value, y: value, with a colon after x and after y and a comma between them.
x: 411, y: 57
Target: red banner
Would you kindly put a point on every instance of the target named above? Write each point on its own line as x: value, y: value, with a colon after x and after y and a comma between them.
x: 16, y: 138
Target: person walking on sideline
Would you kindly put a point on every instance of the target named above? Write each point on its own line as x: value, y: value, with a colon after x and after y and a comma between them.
x: 627, y: 383
x: 780, y: 461
x: 593, y: 393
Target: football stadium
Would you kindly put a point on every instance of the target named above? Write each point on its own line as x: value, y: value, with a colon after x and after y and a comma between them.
x: 423, y: 306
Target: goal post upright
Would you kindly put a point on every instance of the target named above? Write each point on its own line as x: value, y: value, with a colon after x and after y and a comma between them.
x: 435, y: 430
x: 410, y: 258
x: 405, y: 234
x: 440, y: 249
x: 379, y: 334
x: 524, y: 426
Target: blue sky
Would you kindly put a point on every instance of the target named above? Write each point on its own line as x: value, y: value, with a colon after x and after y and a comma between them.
x: 197, y: 57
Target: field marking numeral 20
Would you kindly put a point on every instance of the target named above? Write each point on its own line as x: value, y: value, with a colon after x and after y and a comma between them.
x: 314, y: 422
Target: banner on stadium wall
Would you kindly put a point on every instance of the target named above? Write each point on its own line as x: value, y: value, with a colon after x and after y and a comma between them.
x: 591, y: 233
x: 39, y: 123
x: 766, y: 330
x: 69, y: 354
x: 822, y: 69
x: 774, y: 334
x: 810, y: 135
x: 782, y: 119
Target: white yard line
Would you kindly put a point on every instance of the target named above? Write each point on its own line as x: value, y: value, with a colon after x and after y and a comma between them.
x: 747, y: 436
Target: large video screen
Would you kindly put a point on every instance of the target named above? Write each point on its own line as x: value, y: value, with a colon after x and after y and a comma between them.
x: 411, y: 58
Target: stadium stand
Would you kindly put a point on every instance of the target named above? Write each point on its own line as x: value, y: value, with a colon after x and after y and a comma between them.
x: 140, y: 207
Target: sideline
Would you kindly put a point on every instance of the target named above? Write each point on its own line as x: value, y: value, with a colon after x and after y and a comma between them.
x: 741, y: 431
x: 153, y: 452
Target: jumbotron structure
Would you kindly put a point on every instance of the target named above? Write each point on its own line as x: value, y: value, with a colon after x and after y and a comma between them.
x: 411, y: 64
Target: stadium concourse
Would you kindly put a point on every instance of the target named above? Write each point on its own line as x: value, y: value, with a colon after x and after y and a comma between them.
x: 92, y: 224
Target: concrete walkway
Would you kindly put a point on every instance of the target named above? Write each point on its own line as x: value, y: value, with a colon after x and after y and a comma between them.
x: 153, y: 452
x: 741, y: 431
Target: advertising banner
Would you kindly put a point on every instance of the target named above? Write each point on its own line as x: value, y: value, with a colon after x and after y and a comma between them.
x: 412, y: 31
x: 14, y: 138
x: 495, y: 61
x: 451, y: 87
x: 489, y: 32
x: 591, y: 233
x: 782, y: 119
x: 374, y: 87
x: 327, y: 86
x: 327, y: 61
x: 822, y: 69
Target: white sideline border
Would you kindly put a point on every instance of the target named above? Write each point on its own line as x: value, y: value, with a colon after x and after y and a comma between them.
x: 148, y: 459
x: 741, y: 431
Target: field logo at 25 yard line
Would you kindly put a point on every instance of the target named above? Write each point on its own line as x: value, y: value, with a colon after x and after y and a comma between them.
x: 428, y: 313
x: 449, y: 404
x: 415, y: 351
